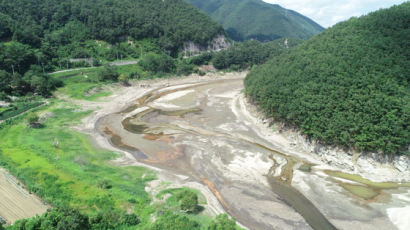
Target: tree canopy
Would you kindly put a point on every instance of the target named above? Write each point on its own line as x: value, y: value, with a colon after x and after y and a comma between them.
x: 44, y: 35
x: 348, y: 86
x: 248, y: 53
x: 69, y: 218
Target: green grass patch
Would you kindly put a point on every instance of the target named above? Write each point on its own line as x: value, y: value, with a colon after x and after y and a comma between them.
x: 72, y: 173
x: 361, y: 191
x: 83, y: 84
x: 359, y: 179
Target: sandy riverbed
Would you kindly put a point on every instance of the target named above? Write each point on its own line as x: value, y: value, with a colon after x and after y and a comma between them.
x: 226, y: 151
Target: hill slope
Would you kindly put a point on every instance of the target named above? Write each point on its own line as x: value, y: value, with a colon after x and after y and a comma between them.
x: 348, y: 86
x: 43, y: 35
x: 255, y: 19
x: 173, y: 20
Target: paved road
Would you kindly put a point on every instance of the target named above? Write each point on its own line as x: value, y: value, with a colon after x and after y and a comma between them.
x: 116, y: 63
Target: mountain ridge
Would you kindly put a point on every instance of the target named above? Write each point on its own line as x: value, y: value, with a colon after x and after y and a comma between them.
x: 255, y: 19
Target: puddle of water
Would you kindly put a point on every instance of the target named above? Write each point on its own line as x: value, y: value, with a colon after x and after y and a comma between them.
x: 134, y: 128
x: 366, y: 189
x: 359, y: 179
x: 178, y: 113
x: 117, y: 141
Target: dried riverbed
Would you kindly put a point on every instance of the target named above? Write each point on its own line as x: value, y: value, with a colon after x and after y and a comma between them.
x: 201, y: 130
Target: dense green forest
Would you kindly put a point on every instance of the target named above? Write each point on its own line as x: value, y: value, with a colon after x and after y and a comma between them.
x: 255, y: 19
x: 38, y: 36
x: 246, y: 54
x: 348, y: 86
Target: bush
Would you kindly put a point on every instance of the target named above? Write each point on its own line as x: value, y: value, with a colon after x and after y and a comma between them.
x: 124, y: 78
x: 222, y: 222
x: 130, y: 219
x: 108, y: 73
x: 171, y: 221
x: 32, y: 118
x: 184, y: 68
x: 104, y: 184
x: 188, y: 201
x: 202, y: 59
x: 157, y: 63
x: 4, y: 97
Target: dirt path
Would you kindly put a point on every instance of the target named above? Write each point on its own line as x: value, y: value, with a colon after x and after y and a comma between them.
x: 116, y: 63
x: 15, y: 201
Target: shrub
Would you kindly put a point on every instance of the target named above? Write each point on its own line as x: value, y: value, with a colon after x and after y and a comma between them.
x: 104, y: 184
x: 188, y: 201
x: 157, y: 63
x: 171, y: 221
x: 32, y: 120
x: 184, y: 68
x: 222, y: 222
x: 201, y: 59
x: 108, y: 73
x: 124, y: 78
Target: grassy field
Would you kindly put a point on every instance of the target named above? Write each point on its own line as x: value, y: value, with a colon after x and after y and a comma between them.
x: 72, y: 172
x: 84, y: 84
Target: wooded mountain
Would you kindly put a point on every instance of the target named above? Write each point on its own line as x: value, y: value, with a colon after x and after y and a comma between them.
x: 255, y: 19
x: 37, y: 36
x: 174, y: 21
x: 348, y: 86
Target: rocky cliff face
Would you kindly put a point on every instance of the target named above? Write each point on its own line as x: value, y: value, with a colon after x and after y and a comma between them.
x: 219, y: 43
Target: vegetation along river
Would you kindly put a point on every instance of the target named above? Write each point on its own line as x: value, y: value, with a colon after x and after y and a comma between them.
x: 203, y: 130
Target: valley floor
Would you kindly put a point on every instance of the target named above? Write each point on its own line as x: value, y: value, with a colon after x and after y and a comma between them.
x: 200, y: 133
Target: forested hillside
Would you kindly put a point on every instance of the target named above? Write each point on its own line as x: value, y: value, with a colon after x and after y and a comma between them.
x: 255, y: 19
x: 246, y: 54
x: 47, y: 33
x: 348, y: 86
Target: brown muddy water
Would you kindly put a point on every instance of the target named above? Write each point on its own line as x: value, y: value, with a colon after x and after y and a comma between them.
x: 200, y: 131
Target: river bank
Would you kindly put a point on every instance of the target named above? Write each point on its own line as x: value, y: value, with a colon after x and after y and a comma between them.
x: 369, y: 168
x: 372, y: 166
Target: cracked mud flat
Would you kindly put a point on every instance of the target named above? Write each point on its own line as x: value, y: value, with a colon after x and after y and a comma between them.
x: 201, y: 131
